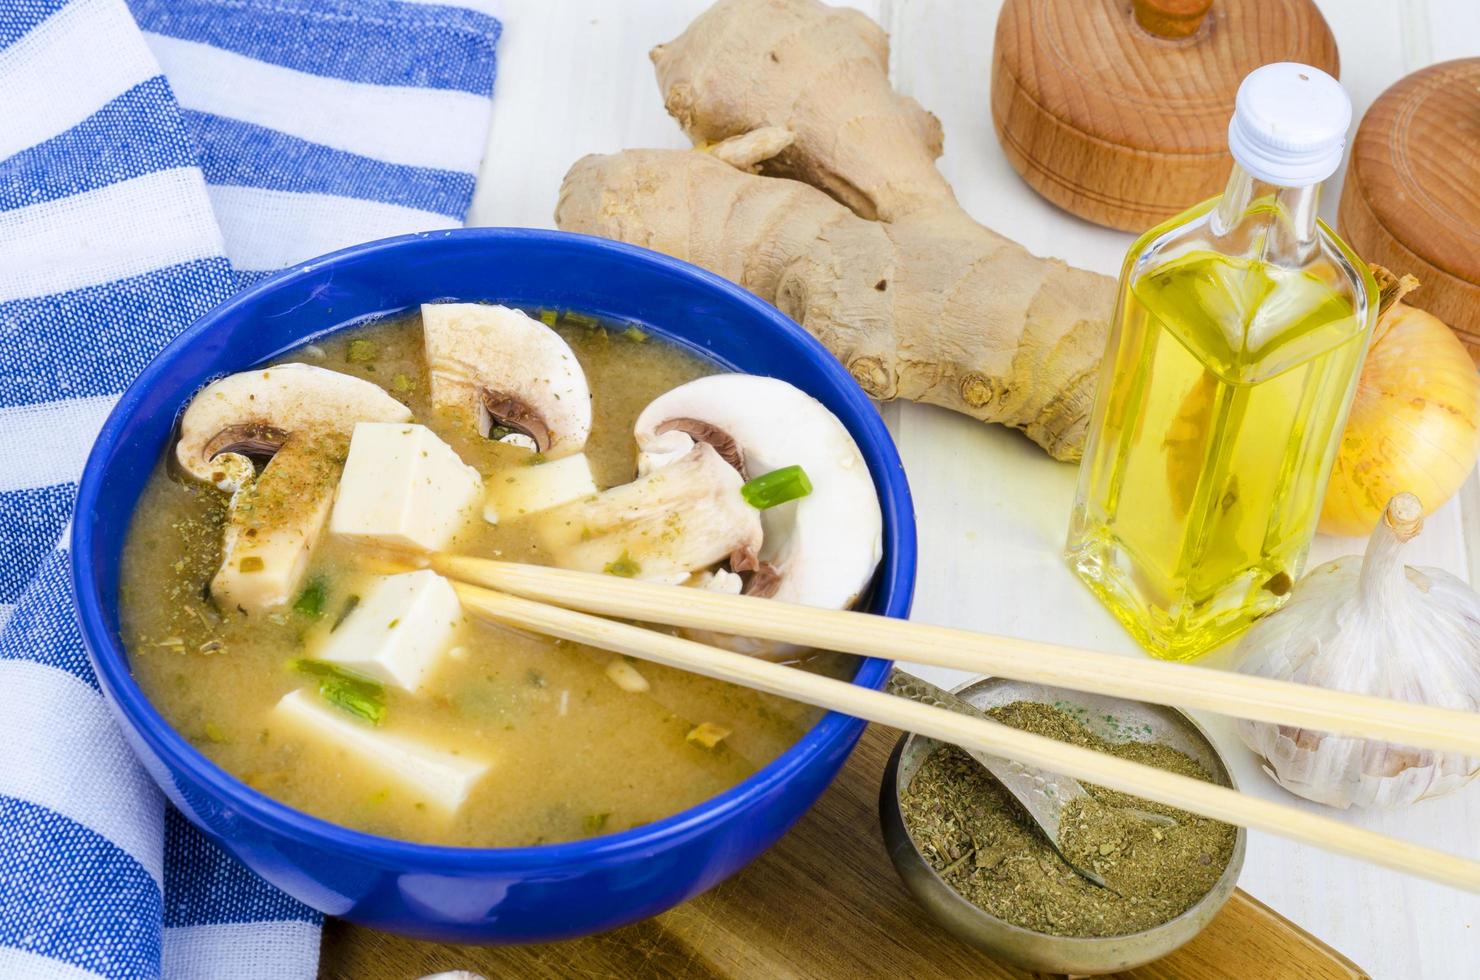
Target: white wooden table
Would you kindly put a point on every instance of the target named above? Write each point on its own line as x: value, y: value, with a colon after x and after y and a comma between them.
x: 575, y: 78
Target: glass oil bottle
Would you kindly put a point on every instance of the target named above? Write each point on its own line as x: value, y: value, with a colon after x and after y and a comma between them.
x: 1239, y: 335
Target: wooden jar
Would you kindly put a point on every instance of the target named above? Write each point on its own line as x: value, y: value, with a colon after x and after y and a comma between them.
x: 1118, y: 111
x: 1411, y: 201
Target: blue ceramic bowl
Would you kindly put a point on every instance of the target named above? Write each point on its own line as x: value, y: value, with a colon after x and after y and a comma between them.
x: 527, y: 894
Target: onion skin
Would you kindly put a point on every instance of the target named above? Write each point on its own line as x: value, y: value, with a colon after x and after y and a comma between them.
x: 1414, y: 423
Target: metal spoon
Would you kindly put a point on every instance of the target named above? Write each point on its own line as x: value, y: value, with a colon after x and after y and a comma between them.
x: 1044, y: 795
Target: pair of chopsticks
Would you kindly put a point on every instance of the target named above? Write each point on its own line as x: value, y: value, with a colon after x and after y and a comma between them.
x: 561, y: 603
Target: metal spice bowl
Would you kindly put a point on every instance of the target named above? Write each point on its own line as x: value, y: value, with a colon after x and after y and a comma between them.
x: 1113, y: 719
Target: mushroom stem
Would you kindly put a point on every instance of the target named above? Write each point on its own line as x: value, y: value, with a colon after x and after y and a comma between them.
x: 683, y: 518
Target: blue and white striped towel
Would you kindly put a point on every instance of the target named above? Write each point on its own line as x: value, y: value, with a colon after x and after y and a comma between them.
x: 154, y: 157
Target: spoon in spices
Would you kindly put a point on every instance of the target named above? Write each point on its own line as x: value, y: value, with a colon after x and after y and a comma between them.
x: 1043, y: 795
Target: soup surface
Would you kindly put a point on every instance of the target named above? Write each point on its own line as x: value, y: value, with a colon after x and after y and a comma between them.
x: 571, y: 753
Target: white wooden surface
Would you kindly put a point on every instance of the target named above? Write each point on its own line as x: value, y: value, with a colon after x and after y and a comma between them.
x: 574, y: 79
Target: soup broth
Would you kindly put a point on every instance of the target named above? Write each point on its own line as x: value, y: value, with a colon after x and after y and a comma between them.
x: 571, y: 753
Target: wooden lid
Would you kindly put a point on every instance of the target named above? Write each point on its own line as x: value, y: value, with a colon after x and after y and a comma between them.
x: 1412, y: 194
x: 1124, y: 126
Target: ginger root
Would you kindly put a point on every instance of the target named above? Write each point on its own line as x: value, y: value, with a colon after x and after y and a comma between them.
x: 815, y: 187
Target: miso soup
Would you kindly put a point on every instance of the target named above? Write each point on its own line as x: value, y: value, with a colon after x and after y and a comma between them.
x: 425, y: 724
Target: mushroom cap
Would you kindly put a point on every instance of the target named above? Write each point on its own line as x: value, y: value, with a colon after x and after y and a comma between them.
x: 252, y: 413
x: 820, y: 550
x: 494, y: 365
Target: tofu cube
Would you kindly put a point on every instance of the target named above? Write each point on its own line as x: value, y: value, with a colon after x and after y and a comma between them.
x: 266, y: 570
x: 403, y: 488
x: 522, y: 490
x: 399, y: 632
x: 272, y: 526
x: 436, y: 777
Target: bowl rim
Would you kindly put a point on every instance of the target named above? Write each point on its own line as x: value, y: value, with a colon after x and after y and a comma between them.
x: 894, y: 580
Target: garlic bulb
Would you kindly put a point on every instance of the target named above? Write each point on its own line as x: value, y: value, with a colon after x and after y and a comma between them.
x: 1370, y: 626
x: 1414, y: 422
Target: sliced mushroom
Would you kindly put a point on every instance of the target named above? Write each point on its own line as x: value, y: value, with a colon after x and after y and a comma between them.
x: 296, y: 418
x: 820, y: 550
x: 663, y: 526
x: 507, y: 375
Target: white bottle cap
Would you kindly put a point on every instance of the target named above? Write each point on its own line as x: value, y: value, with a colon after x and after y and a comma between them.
x: 1289, y: 124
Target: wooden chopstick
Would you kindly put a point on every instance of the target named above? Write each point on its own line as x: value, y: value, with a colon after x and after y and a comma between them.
x: 1181, y: 685
x: 1206, y: 799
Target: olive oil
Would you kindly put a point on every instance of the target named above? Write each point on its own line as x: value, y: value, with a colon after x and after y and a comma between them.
x: 1226, y: 400
x: 1233, y: 357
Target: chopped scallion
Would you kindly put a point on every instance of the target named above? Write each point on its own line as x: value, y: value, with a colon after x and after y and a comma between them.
x: 362, y: 351
x: 310, y: 601
x: 777, y: 487
x: 348, y: 691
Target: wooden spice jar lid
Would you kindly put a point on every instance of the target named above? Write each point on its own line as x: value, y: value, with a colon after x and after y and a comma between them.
x: 1411, y: 201
x: 1118, y: 112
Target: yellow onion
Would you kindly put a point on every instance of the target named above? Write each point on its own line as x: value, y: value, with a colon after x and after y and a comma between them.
x: 1414, y: 424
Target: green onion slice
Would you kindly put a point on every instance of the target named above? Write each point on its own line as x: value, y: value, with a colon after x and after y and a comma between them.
x: 310, y: 601
x: 777, y: 487
x: 361, y: 696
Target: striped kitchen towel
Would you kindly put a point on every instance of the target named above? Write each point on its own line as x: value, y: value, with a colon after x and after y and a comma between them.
x: 155, y: 157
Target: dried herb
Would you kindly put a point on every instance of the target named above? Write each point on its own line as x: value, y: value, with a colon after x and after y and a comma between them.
x: 623, y: 567
x: 978, y: 840
x: 584, y: 320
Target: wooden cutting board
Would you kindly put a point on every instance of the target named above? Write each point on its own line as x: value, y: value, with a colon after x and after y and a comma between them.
x: 824, y: 902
